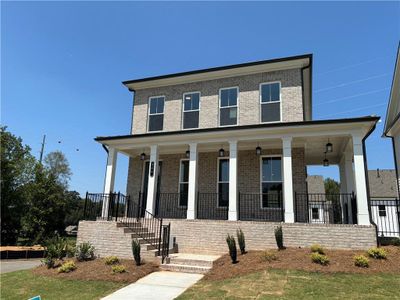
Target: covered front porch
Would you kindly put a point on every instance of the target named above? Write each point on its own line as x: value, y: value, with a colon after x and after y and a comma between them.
x: 247, y: 173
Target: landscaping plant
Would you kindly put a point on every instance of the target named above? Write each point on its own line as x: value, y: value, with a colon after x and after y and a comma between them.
x: 84, y: 251
x: 136, y: 251
x: 361, y: 261
x: 118, y: 269
x: 56, y: 247
x: 377, y: 253
x: 111, y: 260
x: 48, y: 262
x: 269, y: 256
x: 241, y: 241
x: 317, y: 248
x: 67, y: 267
x: 319, y: 258
x: 230, y: 240
x: 279, y: 237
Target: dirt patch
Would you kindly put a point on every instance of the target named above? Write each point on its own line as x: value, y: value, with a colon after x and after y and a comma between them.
x: 98, y: 270
x: 299, y: 259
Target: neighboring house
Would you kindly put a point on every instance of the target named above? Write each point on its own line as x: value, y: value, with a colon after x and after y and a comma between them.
x: 384, y: 201
x: 217, y: 149
x: 318, y: 209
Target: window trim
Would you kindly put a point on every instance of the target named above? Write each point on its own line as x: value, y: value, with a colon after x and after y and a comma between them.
x: 183, y: 109
x: 156, y: 114
x: 179, y: 182
x: 237, y: 106
x: 218, y: 182
x: 261, y: 182
x: 261, y: 103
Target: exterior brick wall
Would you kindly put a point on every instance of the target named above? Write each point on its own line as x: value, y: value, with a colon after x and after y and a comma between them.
x: 249, y: 100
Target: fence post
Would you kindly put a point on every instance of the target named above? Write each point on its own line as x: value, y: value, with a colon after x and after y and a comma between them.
x: 117, y: 208
x: 238, y: 206
x: 84, y: 209
x: 159, y: 237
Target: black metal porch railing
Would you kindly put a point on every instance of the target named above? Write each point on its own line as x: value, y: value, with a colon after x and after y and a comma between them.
x: 321, y: 208
x: 171, y: 205
x: 266, y: 207
x: 385, y: 213
x: 93, y: 205
x: 212, y: 206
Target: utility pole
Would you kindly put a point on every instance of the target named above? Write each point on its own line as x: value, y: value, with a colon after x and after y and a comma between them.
x: 42, y: 150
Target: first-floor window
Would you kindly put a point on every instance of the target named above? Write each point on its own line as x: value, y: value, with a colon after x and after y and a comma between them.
x: 156, y: 113
x: 382, y: 210
x: 271, y: 181
x: 223, y: 182
x: 183, y: 183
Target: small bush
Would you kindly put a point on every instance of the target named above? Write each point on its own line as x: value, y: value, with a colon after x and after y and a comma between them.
x: 67, y: 267
x: 118, y: 269
x: 70, y: 250
x: 319, y: 259
x: 84, y: 251
x: 279, y: 237
x: 56, y: 247
x: 230, y: 240
x: 136, y: 251
x: 269, y: 256
x: 377, y: 253
x: 48, y: 262
x: 111, y: 260
x: 241, y: 241
x: 317, y: 249
x: 361, y: 261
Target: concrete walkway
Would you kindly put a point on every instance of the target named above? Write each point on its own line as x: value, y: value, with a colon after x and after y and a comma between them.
x: 157, y: 285
x: 12, y: 265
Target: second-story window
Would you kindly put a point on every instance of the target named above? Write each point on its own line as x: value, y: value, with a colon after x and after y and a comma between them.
x: 228, y: 106
x: 270, y: 99
x: 191, y: 108
x: 156, y: 113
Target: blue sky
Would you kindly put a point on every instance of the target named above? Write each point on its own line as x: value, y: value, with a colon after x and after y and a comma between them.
x: 63, y: 63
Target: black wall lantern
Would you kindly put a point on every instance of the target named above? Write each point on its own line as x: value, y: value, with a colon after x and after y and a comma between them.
x: 329, y: 147
x: 187, y: 153
x: 258, y: 150
x: 143, y: 156
x: 221, y: 152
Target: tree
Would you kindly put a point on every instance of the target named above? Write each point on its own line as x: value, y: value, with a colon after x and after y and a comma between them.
x: 57, y: 164
x: 75, y: 206
x: 331, y: 186
x: 17, y: 165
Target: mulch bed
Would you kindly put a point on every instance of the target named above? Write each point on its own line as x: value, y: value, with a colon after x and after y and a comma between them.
x: 98, y: 270
x: 299, y: 259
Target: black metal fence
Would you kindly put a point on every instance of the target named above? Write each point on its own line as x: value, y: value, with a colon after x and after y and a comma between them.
x: 385, y: 213
x: 261, y: 207
x: 171, y: 205
x: 212, y: 206
x: 94, y: 205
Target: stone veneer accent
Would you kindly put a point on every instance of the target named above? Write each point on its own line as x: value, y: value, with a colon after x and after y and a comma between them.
x: 208, y: 236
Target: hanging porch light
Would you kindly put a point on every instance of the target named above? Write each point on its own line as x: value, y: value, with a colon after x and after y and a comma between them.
x: 258, y: 150
x: 143, y: 156
x: 326, y: 161
x: 187, y: 153
x: 221, y: 152
x: 329, y: 147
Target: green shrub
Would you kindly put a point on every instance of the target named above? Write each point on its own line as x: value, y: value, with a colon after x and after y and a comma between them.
x: 48, y: 262
x: 361, y: 261
x: 279, y: 237
x: 67, y: 267
x: 118, y: 269
x: 319, y: 258
x: 111, y: 260
x: 269, y: 256
x: 377, y: 253
x: 136, y: 251
x: 56, y: 247
x: 241, y: 241
x: 230, y: 240
x: 84, y: 251
x: 70, y: 250
x: 317, y: 248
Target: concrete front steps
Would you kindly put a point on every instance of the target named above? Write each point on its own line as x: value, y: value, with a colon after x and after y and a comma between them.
x: 189, y: 263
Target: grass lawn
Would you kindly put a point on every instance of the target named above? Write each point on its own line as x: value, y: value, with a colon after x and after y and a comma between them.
x: 24, y: 284
x: 291, y: 284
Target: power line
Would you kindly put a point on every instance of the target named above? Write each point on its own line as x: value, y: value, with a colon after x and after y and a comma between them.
x: 352, y: 96
x: 357, y: 109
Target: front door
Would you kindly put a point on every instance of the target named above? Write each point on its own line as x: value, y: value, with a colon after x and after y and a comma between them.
x: 146, y: 183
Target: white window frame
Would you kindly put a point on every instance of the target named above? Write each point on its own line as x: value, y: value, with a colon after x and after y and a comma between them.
x: 183, y: 109
x: 148, y: 113
x: 218, y: 182
x: 180, y: 182
x: 261, y: 181
x: 237, y: 106
x: 262, y: 103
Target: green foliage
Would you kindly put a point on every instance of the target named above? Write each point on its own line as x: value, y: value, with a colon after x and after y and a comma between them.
x: 84, y: 251
x: 56, y: 247
x: 331, y: 186
x: 48, y: 262
x: 57, y: 164
x: 136, y: 251
x: 111, y: 260
x: 269, y: 256
x: 241, y: 241
x: 118, y: 269
x: 230, y: 240
x: 70, y: 249
x: 317, y: 248
x: 67, y: 267
x: 361, y: 261
x: 279, y: 237
x: 319, y: 259
x: 377, y: 253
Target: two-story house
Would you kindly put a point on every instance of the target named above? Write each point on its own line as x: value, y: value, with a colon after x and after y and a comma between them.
x: 217, y: 149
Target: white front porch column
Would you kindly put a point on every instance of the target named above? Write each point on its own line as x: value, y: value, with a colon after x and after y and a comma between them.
x: 232, y: 212
x: 348, y: 170
x: 192, y: 189
x: 109, y: 179
x: 360, y: 182
x: 152, y: 182
x: 288, y: 179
